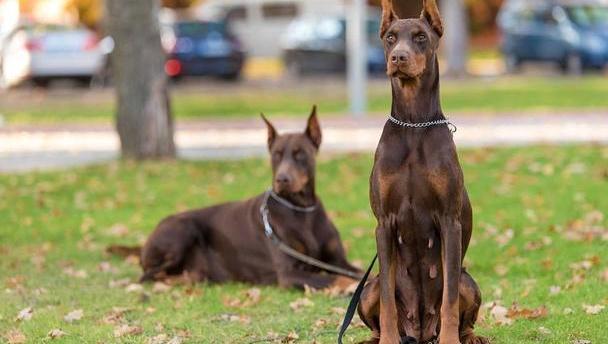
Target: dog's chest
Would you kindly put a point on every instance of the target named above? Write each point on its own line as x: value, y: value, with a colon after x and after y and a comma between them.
x: 410, y: 181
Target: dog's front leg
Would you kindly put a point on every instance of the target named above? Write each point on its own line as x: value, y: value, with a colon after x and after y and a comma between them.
x: 451, y: 255
x: 386, y: 244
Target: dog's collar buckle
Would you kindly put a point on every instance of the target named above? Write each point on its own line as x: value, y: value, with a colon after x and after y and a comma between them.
x: 445, y: 121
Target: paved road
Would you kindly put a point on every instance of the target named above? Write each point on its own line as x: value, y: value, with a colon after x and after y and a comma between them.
x: 40, y: 148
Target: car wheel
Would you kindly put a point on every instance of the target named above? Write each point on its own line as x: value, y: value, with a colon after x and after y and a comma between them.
x: 512, y: 63
x: 573, y: 64
x: 41, y: 82
x: 233, y: 76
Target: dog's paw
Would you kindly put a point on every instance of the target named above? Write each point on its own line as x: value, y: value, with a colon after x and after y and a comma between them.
x: 343, y: 286
x: 473, y: 339
x: 408, y: 340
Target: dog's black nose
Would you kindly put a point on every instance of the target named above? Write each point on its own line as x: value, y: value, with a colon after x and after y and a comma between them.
x: 283, y: 179
x: 398, y: 57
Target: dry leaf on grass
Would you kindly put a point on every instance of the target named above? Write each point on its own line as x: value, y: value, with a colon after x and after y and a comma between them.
x: 554, y: 290
x: 119, y: 283
x: 158, y: 339
x: 70, y: 271
x: 134, y: 288
x: 291, y: 337
x: 25, y: 314
x: 176, y: 340
x: 55, y: 333
x: 526, y: 313
x: 160, y: 287
x: 127, y: 330
x: 74, y: 315
x: 118, y: 230
x: 115, y: 316
x: 544, y: 331
x: 251, y: 297
x: 593, y: 309
x: 15, y: 336
x: 300, y: 303
x: 243, y: 319
x: 499, y: 313
x: 581, y: 341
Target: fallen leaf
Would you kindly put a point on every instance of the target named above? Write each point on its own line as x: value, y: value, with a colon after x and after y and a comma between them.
x: 127, y: 330
x: 568, y: 310
x: 291, y: 337
x: 55, y: 333
x: 499, y: 313
x: 593, y: 309
x: 243, y: 319
x: 526, y: 313
x: 134, y: 288
x: 25, y: 314
x: 115, y: 316
x: 158, y: 339
x: 119, y: 283
x: 581, y: 341
x: 74, y: 315
x: 300, y: 303
x: 176, y: 340
x: 15, y: 336
x: 160, y: 287
x: 70, y: 271
x: 554, y: 290
x: 544, y: 331
x: 118, y: 230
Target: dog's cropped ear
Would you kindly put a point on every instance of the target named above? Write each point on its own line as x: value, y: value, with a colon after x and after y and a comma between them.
x: 430, y: 13
x: 313, y: 129
x: 388, y: 16
x: 272, y: 132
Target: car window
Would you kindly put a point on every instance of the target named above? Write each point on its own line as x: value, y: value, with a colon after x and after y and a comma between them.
x: 199, y: 29
x: 588, y: 15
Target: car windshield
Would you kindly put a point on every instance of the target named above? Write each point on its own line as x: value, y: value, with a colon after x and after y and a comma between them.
x: 200, y: 29
x: 588, y: 15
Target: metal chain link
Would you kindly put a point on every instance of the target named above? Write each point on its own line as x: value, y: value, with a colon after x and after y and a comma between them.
x: 446, y: 121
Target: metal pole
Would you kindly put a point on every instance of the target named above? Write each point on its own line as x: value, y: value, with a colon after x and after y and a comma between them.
x: 356, y: 57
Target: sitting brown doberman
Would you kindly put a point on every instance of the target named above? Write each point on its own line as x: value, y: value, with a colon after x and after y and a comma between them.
x: 418, y: 196
x: 230, y: 242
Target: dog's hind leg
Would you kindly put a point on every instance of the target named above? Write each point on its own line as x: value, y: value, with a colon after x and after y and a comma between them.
x: 470, y: 301
x: 195, y: 265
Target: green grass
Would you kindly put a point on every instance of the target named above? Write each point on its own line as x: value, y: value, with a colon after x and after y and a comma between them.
x: 519, y: 94
x: 55, y: 220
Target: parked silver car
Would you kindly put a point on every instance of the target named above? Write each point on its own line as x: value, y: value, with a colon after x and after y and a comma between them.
x: 41, y: 53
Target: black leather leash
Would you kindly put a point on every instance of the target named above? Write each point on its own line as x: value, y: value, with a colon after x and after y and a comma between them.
x: 290, y: 251
x: 354, y: 302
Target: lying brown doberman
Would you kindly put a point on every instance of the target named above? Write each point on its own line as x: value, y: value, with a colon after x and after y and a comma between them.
x: 228, y: 242
x: 418, y: 196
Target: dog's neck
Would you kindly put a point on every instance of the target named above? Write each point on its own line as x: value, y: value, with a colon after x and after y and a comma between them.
x: 417, y: 101
x: 305, y: 198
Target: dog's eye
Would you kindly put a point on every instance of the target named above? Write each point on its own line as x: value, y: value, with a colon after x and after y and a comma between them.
x: 299, y: 155
x: 390, y: 38
x: 420, y: 38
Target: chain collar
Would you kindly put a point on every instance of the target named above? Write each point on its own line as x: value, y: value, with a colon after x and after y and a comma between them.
x: 290, y: 205
x: 446, y: 121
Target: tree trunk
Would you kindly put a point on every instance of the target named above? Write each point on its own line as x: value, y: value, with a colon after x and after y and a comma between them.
x: 456, y: 36
x: 143, y: 117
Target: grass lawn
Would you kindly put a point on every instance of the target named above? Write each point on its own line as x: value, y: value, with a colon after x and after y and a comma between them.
x: 518, y: 94
x: 540, y: 240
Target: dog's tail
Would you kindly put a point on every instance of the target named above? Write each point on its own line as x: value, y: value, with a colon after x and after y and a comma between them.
x: 124, y: 251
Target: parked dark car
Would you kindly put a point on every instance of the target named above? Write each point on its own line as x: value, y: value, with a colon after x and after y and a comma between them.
x: 318, y: 45
x: 573, y: 34
x: 198, y: 48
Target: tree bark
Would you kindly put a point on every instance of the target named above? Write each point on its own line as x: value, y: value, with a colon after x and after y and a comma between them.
x: 456, y: 36
x: 143, y: 114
